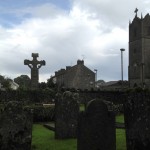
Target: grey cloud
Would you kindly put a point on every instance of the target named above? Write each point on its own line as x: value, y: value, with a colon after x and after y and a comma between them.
x: 61, y: 37
x: 114, y: 13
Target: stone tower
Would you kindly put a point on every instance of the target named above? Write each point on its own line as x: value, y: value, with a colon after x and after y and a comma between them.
x: 139, y: 51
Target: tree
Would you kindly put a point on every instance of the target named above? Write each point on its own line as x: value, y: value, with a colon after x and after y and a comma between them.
x: 5, y: 81
x: 42, y: 85
x: 51, y: 83
x: 23, y: 81
x: 2, y: 78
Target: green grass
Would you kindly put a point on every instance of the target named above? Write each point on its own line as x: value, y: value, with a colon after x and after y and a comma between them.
x: 120, y: 134
x: 43, y: 139
x: 82, y: 107
x: 120, y: 139
x: 120, y: 118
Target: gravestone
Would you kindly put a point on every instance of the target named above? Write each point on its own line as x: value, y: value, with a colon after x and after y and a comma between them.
x: 137, y: 121
x: 66, y: 115
x: 96, y: 127
x: 34, y: 65
x: 15, y: 127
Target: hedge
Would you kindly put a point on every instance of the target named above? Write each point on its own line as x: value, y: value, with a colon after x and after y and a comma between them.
x: 42, y: 114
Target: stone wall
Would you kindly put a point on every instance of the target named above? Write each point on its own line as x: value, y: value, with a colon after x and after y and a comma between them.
x: 27, y: 96
x: 117, y: 97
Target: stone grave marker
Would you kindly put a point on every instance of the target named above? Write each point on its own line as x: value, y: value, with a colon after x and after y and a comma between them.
x: 34, y: 65
x: 15, y: 127
x: 137, y: 121
x: 96, y: 127
x: 66, y: 115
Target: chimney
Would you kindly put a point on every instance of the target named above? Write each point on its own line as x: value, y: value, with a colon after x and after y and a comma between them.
x: 80, y: 62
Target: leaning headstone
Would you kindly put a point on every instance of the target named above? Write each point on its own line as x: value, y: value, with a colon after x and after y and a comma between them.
x: 96, y: 127
x: 66, y: 115
x: 137, y: 121
x: 15, y: 127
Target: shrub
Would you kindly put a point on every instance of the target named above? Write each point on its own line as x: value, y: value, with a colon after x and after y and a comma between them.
x: 41, y: 113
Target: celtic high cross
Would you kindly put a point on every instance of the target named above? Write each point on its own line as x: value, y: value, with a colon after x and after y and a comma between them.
x: 34, y: 65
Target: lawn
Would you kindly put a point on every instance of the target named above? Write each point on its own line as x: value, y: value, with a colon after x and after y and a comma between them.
x: 120, y: 139
x: 120, y: 134
x: 43, y: 139
x: 120, y: 118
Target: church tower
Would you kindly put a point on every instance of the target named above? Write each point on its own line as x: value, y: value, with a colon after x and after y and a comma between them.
x: 139, y: 51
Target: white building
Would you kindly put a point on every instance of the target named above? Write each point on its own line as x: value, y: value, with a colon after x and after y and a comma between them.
x: 14, y: 85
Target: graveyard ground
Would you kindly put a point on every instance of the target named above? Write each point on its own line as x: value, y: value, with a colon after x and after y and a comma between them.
x: 43, y: 139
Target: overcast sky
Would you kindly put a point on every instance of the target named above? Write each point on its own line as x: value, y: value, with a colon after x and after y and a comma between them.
x: 63, y: 31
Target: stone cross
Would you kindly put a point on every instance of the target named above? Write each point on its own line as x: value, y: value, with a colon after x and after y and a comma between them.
x: 35, y: 65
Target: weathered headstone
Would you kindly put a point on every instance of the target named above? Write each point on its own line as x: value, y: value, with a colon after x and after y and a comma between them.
x: 137, y: 121
x: 34, y: 65
x: 66, y: 115
x: 96, y: 127
x: 15, y: 127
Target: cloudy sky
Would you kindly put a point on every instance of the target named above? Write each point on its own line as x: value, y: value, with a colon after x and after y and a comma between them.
x: 63, y: 31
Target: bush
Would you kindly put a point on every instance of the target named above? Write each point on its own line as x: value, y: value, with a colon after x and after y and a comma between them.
x: 42, y: 114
